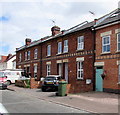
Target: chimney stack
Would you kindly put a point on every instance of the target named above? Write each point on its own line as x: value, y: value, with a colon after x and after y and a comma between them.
x: 55, y: 30
x: 95, y: 20
x: 27, y: 41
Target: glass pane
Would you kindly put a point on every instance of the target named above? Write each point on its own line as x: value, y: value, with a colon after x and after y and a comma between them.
x: 108, y: 40
x: 104, y: 48
x: 78, y: 39
x: 81, y: 74
x: 108, y: 48
x: 119, y: 37
x: 104, y: 40
x: 59, y: 47
x: 119, y: 46
x: 82, y: 39
x: 78, y: 74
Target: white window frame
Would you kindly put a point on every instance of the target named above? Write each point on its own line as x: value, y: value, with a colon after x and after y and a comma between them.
x: 25, y: 55
x: 49, y: 50
x: 48, y: 69
x: 35, y: 70
x: 59, y: 47
x: 80, y: 70
x: 107, y: 44
x: 65, y: 46
x: 20, y: 57
x: 80, y: 41
x: 119, y: 73
x: 28, y: 54
x: 118, y: 42
x: 36, y: 53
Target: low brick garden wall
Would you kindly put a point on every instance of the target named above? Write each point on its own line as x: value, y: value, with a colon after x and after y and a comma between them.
x: 34, y: 83
x: 23, y: 83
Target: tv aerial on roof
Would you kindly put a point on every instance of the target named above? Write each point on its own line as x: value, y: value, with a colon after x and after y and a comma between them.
x: 53, y: 21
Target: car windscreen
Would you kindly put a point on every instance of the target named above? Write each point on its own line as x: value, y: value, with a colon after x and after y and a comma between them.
x: 2, y: 74
x: 50, y: 78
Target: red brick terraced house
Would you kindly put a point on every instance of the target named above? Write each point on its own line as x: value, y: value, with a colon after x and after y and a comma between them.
x: 107, y: 60
x: 69, y: 53
x: 87, y: 56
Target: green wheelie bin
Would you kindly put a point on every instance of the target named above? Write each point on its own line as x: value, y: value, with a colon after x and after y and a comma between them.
x: 62, y: 87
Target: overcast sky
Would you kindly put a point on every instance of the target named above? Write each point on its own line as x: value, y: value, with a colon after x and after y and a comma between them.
x: 20, y: 19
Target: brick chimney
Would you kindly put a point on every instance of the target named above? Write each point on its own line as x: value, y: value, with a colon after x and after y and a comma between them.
x: 95, y: 20
x: 27, y: 41
x: 55, y: 30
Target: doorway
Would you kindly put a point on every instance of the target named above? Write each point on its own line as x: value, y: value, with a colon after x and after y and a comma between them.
x: 99, y: 80
x: 59, y: 69
x: 66, y: 71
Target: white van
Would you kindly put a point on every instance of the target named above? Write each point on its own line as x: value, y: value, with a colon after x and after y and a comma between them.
x: 13, y: 74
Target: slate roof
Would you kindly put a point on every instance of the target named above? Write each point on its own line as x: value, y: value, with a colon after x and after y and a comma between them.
x: 79, y: 27
x: 114, y: 16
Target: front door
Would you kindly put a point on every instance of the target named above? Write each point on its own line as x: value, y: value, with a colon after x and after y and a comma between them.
x: 66, y: 72
x: 59, y: 69
x: 99, y: 80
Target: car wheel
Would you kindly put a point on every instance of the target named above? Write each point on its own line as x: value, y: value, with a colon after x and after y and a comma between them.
x: 8, y: 82
x: 43, y: 89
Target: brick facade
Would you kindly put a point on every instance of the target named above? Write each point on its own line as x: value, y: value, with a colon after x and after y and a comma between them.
x: 83, y: 63
x: 69, y: 58
x: 110, y: 83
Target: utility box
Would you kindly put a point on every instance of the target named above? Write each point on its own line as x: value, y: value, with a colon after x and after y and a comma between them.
x: 62, y: 87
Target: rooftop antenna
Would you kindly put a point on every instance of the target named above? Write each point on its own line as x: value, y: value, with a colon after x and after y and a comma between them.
x: 92, y: 13
x: 53, y: 21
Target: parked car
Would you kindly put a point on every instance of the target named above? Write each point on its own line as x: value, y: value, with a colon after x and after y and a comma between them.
x: 51, y: 82
x: 3, y: 81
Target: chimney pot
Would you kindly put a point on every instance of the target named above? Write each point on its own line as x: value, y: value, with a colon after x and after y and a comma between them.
x: 27, y: 41
x: 63, y: 31
x: 55, y: 30
x: 95, y: 20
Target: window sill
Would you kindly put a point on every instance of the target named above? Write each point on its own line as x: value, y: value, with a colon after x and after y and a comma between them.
x: 118, y: 83
x: 79, y: 50
x: 118, y: 51
x: 65, y: 53
x: 80, y: 79
x: 105, y: 53
x: 48, y: 56
x: 58, y: 54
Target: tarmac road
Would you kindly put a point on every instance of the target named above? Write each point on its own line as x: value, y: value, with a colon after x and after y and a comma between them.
x: 18, y: 102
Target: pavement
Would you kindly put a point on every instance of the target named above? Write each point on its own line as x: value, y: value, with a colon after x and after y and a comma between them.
x: 93, y: 102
